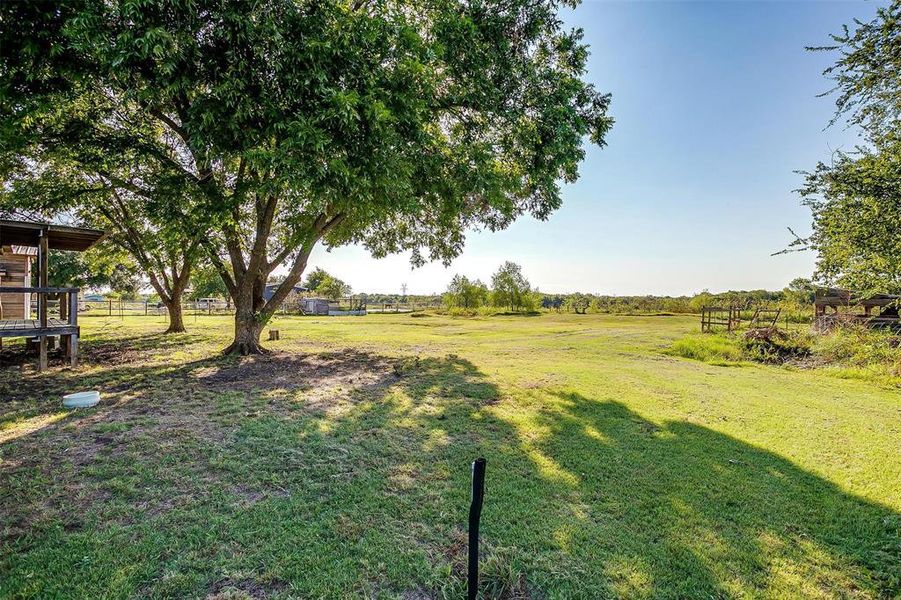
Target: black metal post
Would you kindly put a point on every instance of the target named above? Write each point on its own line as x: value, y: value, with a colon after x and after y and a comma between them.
x: 475, y: 513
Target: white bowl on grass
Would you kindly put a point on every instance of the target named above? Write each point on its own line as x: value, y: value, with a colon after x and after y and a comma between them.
x: 81, y: 399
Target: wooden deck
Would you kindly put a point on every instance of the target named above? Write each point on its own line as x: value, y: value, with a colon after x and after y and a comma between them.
x: 45, y: 326
x: 32, y: 327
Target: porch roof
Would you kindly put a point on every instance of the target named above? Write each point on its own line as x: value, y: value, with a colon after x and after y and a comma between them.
x: 59, y: 237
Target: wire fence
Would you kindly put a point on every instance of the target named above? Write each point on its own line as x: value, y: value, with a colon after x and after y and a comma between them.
x: 292, y: 306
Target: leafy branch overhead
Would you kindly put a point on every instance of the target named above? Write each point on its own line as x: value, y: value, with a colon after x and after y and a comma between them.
x: 856, y: 199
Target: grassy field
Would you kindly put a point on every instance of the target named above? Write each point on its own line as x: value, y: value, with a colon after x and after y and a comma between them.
x: 338, y: 467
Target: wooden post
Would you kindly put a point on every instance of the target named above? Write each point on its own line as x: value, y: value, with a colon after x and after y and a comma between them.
x: 43, y: 251
x: 73, y: 321
x: 42, y: 353
x: 111, y: 307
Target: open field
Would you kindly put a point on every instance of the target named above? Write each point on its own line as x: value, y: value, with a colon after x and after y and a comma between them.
x: 338, y: 467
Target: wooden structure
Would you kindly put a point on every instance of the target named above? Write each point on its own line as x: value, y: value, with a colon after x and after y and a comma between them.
x: 713, y: 317
x: 329, y: 307
x: 833, y: 306
x: 765, y: 318
x: 316, y: 306
x: 15, y: 270
x: 18, y: 297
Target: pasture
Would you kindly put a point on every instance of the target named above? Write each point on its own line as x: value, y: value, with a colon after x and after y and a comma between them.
x: 338, y: 466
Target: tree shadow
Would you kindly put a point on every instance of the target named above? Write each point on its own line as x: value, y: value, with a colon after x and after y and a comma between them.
x: 691, y: 510
x: 346, y: 474
x: 107, y: 351
x: 348, y: 435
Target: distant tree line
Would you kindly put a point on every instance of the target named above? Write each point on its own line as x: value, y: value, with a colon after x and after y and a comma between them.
x: 510, y: 290
x: 797, y: 297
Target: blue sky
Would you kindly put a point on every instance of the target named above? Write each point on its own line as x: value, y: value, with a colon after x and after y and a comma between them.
x: 716, y: 107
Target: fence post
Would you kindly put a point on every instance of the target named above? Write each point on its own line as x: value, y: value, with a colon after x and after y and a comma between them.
x: 475, y: 514
x: 111, y: 307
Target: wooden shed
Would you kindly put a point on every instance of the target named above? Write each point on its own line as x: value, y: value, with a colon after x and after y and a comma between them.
x: 833, y: 306
x: 315, y: 306
x: 26, y: 246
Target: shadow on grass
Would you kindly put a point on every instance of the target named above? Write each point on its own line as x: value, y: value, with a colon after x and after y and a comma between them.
x: 694, y: 512
x: 108, y: 351
x: 346, y: 474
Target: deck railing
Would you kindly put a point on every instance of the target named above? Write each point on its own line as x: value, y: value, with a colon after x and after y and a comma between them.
x: 68, y: 303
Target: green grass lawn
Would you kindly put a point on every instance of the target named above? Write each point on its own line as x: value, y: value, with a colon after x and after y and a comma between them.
x: 338, y: 467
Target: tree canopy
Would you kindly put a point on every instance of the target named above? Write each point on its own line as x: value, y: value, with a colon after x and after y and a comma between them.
x: 276, y: 124
x: 326, y: 285
x: 206, y: 283
x: 102, y: 267
x: 315, y: 277
x: 856, y: 198
x: 856, y: 206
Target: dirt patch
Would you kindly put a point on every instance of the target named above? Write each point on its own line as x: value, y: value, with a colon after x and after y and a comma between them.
x: 417, y: 594
x: 244, y: 589
x: 293, y: 372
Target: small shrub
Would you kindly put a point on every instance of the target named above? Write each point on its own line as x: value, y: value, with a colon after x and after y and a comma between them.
x: 772, y: 345
x: 861, y: 348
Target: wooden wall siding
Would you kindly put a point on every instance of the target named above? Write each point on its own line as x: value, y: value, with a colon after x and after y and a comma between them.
x: 18, y: 272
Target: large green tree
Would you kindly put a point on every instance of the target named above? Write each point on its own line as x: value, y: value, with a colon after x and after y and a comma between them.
x: 855, y: 199
x: 398, y: 126
x: 465, y: 293
x: 509, y: 287
x: 315, y: 278
x: 333, y: 288
x: 856, y: 206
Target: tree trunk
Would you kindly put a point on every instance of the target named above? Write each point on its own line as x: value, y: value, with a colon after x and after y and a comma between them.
x: 176, y: 318
x: 247, y: 334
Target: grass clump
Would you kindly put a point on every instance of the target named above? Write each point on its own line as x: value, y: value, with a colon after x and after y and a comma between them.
x: 850, y: 352
x: 859, y: 352
x: 499, y: 578
x: 708, y: 348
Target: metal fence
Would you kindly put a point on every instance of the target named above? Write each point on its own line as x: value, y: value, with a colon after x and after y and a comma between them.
x: 128, y: 308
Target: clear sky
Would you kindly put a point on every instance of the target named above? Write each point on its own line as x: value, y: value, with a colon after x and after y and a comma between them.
x: 716, y: 107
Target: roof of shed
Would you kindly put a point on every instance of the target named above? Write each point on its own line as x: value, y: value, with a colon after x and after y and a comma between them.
x: 843, y: 297
x: 59, y: 237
